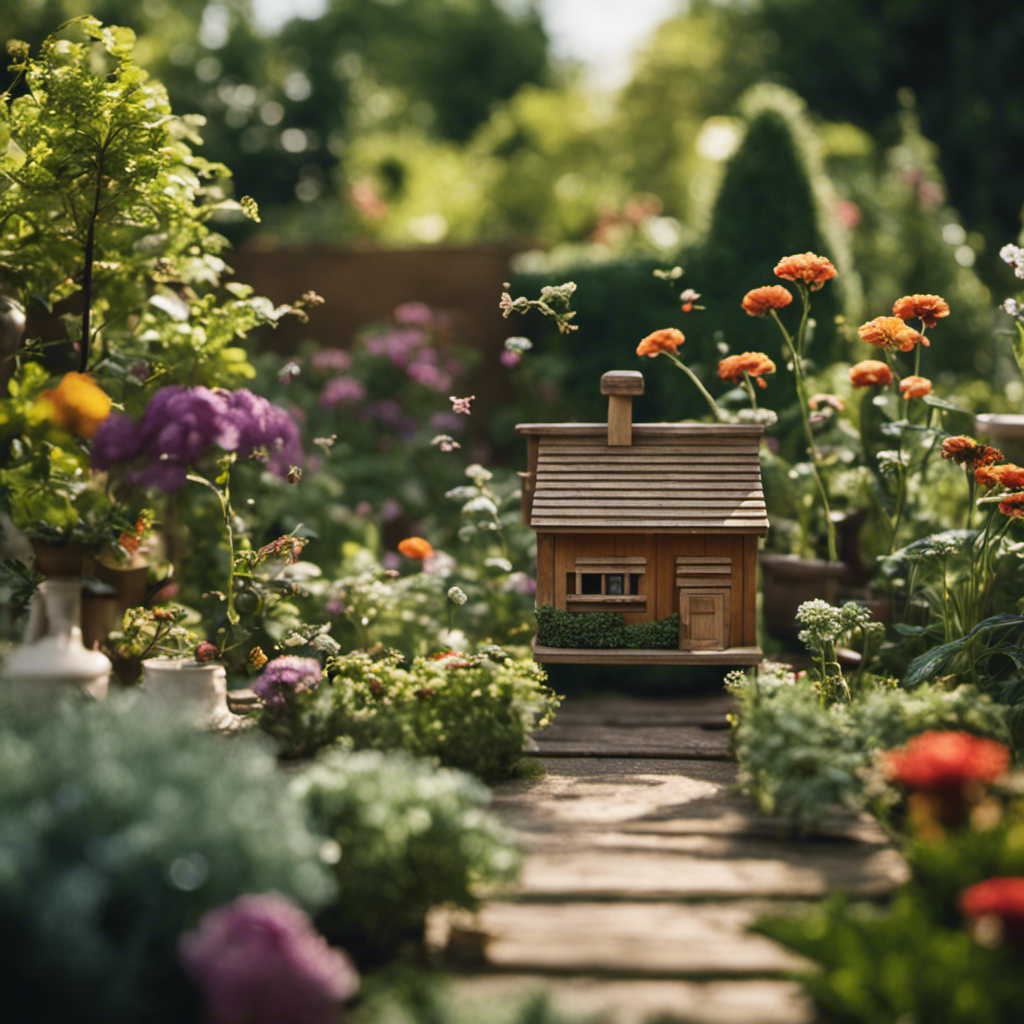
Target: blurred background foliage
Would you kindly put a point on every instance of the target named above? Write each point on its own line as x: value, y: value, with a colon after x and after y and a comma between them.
x: 882, y: 134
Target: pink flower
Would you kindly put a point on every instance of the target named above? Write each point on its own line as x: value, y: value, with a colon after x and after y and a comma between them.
x: 417, y: 314
x: 205, y: 651
x: 259, y: 960
x: 461, y: 405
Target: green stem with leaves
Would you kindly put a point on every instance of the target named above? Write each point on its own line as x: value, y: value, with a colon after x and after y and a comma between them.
x: 224, y: 497
x: 795, y: 347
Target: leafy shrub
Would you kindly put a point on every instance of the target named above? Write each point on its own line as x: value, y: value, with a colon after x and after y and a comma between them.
x: 120, y: 826
x: 557, y: 627
x: 410, y: 837
x: 472, y: 712
x: 801, y: 760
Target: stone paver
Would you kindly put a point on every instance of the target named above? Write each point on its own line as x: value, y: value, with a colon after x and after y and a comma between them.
x: 645, y: 869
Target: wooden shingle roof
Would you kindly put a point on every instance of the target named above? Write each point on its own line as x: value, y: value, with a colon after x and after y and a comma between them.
x: 674, y: 477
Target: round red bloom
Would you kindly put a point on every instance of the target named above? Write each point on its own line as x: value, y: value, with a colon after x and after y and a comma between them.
x: 758, y: 301
x: 965, y: 451
x: 946, y: 760
x: 869, y: 372
x: 756, y: 364
x: 205, y: 651
x: 668, y: 339
x: 415, y: 547
x: 999, y: 898
x: 890, y: 332
x: 812, y: 270
x: 915, y: 387
x: 929, y: 309
x: 1008, y: 476
x: 1013, y: 505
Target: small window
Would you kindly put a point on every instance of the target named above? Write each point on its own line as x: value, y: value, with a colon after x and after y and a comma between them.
x: 617, y: 581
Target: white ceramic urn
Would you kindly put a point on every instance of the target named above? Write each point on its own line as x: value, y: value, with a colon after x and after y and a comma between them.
x: 196, y: 690
x: 52, y: 653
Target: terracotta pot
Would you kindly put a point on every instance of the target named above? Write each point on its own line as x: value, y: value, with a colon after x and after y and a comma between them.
x: 196, y: 690
x: 59, y: 559
x: 788, y: 580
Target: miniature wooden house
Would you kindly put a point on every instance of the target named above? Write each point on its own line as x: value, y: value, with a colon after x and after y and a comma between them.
x: 650, y: 520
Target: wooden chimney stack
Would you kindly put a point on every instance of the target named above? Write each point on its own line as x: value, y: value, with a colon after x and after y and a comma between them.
x: 620, y: 386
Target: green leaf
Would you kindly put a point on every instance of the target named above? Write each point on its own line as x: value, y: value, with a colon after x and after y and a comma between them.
x: 941, y: 403
x: 1018, y: 346
x: 118, y: 40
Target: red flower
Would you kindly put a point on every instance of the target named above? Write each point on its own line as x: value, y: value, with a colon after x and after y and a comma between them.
x: 869, y: 372
x: 812, y: 270
x: 1013, y: 505
x: 668, y: 339
x: 929, y: 309
x: 1001, y: 899
x: 965, y: 451
x: 943, y: 760
x: 756, y: 364
x: 758, y: 301
x: 415, y: 547
x: 1008, y: 476
x: 205, y: 651
x: 915, y: 387
x: 890, y: 332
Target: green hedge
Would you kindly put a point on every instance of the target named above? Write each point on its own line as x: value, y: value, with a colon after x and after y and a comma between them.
x: 559, y: 628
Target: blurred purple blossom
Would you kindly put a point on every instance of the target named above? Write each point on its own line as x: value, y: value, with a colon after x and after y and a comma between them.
x: 259, y: 960
x: 429, y: 375
x: 341, y: 390
x: 418, y: 314
x: 181, y: 424
x: 445, y: 421
x: 390, y: 510
x: 286, y: 676
x: 510, y: 358
x: 331, y: 360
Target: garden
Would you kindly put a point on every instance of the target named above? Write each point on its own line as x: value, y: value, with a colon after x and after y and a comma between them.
x: 278, y: 621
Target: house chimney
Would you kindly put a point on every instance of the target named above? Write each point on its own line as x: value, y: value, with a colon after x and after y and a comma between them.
x: 620, y: 386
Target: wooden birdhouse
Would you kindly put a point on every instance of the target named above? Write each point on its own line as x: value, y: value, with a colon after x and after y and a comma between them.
x: 646, y: 537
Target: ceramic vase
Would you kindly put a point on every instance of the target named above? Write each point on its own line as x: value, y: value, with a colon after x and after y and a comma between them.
x: 52, y: 653
x: 196, y: 690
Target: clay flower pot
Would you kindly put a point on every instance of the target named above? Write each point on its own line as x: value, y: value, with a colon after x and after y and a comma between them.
x: 788, y: 580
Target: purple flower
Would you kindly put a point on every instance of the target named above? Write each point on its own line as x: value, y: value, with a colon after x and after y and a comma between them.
x: 181, y: 424
x: 429, y: 375
x: 341, y: 390
x: 510, y: 358
x: 259, y: 960
x: 416, y: 314
x: 285, y: 676
x: 331, y: 360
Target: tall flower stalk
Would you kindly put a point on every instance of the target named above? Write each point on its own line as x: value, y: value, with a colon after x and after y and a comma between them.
x: 809, y: 273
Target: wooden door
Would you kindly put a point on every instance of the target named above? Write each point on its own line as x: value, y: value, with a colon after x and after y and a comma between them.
x: 703, y: 620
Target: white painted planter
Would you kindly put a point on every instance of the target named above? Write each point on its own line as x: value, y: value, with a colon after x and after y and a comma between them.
x: 52, y: 655
x: 1005, y: 431
x: 196, y: 690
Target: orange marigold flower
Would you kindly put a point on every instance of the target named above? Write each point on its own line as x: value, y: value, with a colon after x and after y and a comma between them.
x: 1013, y: 505
x: 77, y: 404
x: 830, y: 401
x: 915, y: 387
x: 1008, y: 476
x: 1001, y: 899
x: 758, y: 301
x: 868, y: 372
x: 929, y: 309
x: 415, y: 547
x: 965, y: 451
x: 812, y: 270
x: 890, y: 332
x: 946, y: 760
x: 668, y: 339
x: 756, y: 364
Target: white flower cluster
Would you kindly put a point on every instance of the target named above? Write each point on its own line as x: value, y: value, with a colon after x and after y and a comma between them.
x: 1014, y: 255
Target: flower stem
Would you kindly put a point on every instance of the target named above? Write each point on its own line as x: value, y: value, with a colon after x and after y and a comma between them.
x: 224, y: 497
x: 719, y: 415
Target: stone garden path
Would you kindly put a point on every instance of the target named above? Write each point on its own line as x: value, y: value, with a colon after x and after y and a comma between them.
x: 644, y: 869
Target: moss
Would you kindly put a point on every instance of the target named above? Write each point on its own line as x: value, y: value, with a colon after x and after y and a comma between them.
x: 605, y: 630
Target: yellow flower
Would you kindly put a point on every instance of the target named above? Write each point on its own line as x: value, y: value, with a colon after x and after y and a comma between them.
x: 77, y: 404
